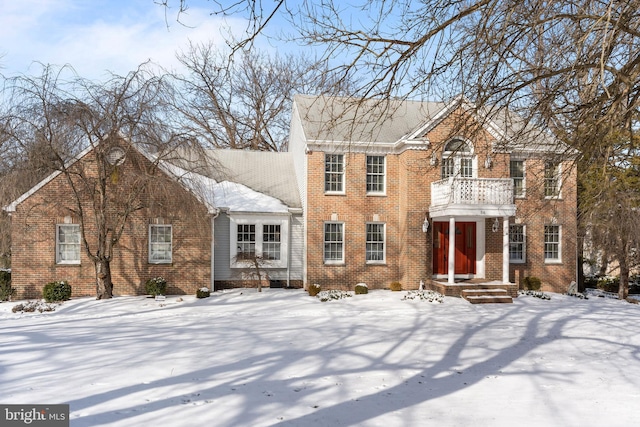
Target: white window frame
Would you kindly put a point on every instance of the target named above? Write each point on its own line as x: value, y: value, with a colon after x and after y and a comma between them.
x: 558, y: 259
x: 60, y: 259
x: 382, y: 175
x: 368, y: 242
x: 523, y: 178
x: 152, y: 251
x: 330, y: 242
x: 334, y: 168
x: 522, y: 243
x: 452, y: 166
x: 259, y: 221
x: 557, y: 178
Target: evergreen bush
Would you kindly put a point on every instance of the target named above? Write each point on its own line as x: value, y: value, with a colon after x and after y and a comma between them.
x: 6, y: 291
x: 203, y: 293
x: 155, y: 286
x: 56, y: 291
x: 361, y: 289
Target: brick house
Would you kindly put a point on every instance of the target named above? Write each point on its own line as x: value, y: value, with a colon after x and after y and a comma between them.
x: 383, y: 182
x: 194, y: 226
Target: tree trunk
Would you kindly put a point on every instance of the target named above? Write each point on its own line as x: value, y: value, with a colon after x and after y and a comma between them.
x: 104, y: 286
x: 623, y: 287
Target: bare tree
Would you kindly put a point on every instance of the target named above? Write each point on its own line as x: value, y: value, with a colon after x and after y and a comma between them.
x: 55, y: 119
x: 244, y: 101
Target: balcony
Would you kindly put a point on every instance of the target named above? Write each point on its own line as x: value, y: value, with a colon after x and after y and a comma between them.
x: 483, y: 197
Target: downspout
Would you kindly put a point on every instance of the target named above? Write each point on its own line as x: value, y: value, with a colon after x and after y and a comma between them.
x: 215, y: 214
x: 289, y: 251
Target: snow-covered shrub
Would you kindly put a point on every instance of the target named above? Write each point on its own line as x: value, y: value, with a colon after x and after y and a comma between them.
x: 56, y: 291
x: 5, y: 286
x: 325, y: 296
x: 33, y: 306
x: 361, y: 289
x: 314, y: 289
x: 536, y: 294
x: 203, y: 293
x: 429, y: 296
x: 395, y: 286
x: 531, y: 283
x: 155, y: 286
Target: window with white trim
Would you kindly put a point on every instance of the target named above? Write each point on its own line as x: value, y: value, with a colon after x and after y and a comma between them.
x: 375, y: 235
x: 517, y: 243
x: 333, y: 242
x: 68, y: 243
x: 458, y: 160
x: 246, y: 242
x: 375, y: 174
x: 551, y: 179
x: 552, y: 247
x: 271, y: 241
x: 334, y: 173
x: 516, y: 172
x: 160, y: 244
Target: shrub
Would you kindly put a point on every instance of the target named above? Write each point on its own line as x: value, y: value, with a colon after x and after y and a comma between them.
x: 32, y: 307
x: 609, y: 284
x: 395, y: 286
x: 155, y: 286
x: 203, y: 293
x: 56, y: 291
x: 5, y: 286
x: 333, y: 294
x: 361, y: 289
x: 314, y: 289
x: 531, y: 283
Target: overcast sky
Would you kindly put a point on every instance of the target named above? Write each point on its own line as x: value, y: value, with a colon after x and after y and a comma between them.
x: 98, y: 35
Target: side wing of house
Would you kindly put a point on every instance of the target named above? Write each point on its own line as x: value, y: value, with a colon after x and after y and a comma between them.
x: 167, y: 232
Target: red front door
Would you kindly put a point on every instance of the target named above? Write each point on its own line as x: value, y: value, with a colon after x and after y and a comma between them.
x: 465, y: 249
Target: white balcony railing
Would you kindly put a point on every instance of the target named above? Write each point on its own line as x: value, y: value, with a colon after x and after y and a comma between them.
x: 472, y: 191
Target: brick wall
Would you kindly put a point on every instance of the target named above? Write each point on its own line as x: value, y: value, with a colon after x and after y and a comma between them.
x: 159, y: 201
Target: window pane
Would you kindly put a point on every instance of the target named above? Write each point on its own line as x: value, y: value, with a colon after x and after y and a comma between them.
x: 160, y: 244
x: 334, y: 172
x: 447, y: 168
x: 516, y: 242
x: 375, y: 242
x: 466, y: 167
x: 271, y: 241
x: 246, y: 241
x: 551, y: 179
x: 68, y: 243
x: 516, y: 169
x: 552, y: 242
x: 375, y: 174
x: 333, y: 238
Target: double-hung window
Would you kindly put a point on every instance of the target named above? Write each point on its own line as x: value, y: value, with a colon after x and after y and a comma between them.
x: 334, y: 173
x: 160, y: 244
x: 552, y: 247
x: 333, y: 242
x: 375, y: 243
x: 246, y: 242
x: 516, y: 169
x: 517, y: 243
x: 271, y: 241
x: 551, y: 179
x: 68, y: 244
x: 375, y: 174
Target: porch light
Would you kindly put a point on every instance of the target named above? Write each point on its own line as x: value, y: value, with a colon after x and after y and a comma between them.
x: 425, y: 225
x: 496, y: 225
x: 488, y: 162
x: 434, y: 159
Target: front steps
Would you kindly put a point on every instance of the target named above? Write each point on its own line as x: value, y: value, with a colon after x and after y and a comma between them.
x: 487, y: 296
x: 478, y: 291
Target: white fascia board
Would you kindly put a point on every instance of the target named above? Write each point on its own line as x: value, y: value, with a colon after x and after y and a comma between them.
x: 396, y: 147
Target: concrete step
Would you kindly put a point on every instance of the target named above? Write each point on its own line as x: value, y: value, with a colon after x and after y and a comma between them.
x: 487, y: 296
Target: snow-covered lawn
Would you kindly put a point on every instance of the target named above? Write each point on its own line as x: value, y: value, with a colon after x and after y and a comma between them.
x: 281, y: 357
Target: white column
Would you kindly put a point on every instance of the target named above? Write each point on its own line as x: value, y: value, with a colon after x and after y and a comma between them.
x: 452, y: 251
x: 505, y: 250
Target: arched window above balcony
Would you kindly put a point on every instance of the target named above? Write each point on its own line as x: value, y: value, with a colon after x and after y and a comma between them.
x: 458, y: 159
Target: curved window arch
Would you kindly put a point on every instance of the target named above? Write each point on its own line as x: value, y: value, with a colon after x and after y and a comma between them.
x: 458, y: 159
